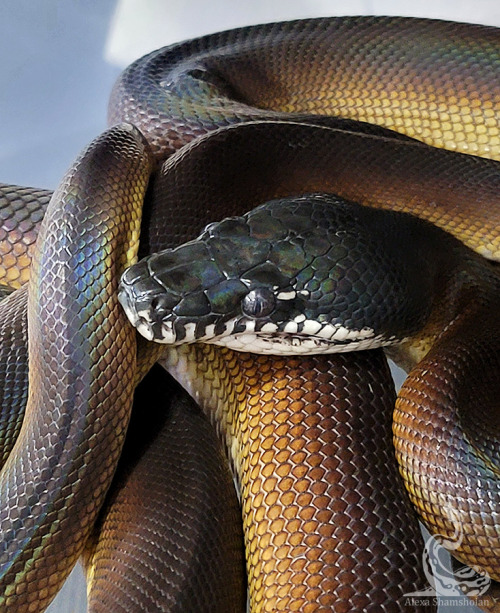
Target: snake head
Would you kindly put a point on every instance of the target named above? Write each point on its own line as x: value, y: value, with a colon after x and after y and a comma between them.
x: 300, y: 275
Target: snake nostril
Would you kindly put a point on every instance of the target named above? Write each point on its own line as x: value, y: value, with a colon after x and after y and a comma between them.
x: 156, y: 304
x: 198, y: 73
x: 161, y: 306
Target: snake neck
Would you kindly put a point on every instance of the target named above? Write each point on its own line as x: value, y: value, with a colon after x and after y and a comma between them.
x: 468, y: 292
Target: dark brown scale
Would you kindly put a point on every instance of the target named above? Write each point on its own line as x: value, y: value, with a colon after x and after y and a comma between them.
x: 446, y: 433
x: 55, y: 479
x: 458, y: 193
x: 170, y: 534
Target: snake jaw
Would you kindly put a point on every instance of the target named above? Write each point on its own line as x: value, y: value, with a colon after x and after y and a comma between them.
x: 298, y: 336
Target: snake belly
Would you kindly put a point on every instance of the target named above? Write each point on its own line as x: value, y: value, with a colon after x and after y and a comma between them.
x: 415, y: 107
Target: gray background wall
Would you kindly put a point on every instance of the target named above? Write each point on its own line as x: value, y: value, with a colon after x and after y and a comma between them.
x: 59, y: 59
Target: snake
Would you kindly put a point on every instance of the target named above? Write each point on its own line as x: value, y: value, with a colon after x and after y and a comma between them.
x: 397, y: 88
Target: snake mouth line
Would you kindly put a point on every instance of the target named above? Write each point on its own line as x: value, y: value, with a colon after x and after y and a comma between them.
x: 278, y: 343
x: 293, y: 344
x: 268, y: 338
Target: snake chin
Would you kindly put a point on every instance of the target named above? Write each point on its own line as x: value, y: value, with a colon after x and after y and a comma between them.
x: 293, y: 344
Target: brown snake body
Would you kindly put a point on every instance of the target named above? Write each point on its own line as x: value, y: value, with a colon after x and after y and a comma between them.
x: 407, y: 75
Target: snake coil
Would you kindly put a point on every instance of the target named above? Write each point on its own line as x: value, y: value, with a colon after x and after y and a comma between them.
x: 349, y: 106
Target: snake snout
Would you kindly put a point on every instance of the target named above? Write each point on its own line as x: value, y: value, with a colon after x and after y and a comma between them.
x: 142, y: 299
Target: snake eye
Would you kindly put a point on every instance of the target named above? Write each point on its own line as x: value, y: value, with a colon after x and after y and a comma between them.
x: 258, y: 302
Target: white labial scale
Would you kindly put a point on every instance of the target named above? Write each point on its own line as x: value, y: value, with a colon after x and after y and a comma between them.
x: 291, y: 327
x: 360, y: 334
x: 145, y: 330
x: 269, y: 328
x: 210, y: 330
x: 144, y: 315
x: 314, y: 337
x: 327, y: 331
x: 340, y: 333
x: 250, y: 327
x: 287, y: 295
x: 189, y: 330
x: 310, y: 327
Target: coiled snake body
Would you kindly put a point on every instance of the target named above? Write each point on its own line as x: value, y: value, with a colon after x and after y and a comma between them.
x: 317, y: 506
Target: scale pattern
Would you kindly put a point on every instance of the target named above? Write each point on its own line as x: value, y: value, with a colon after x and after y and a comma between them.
x: 170, y: 536
x: 433, y: 80
x: 458, y: 193
x: 55, y: 478
x: 13, y: 368
x: 21, y: 211
x: 322, y: 500
x: 446, y: 429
